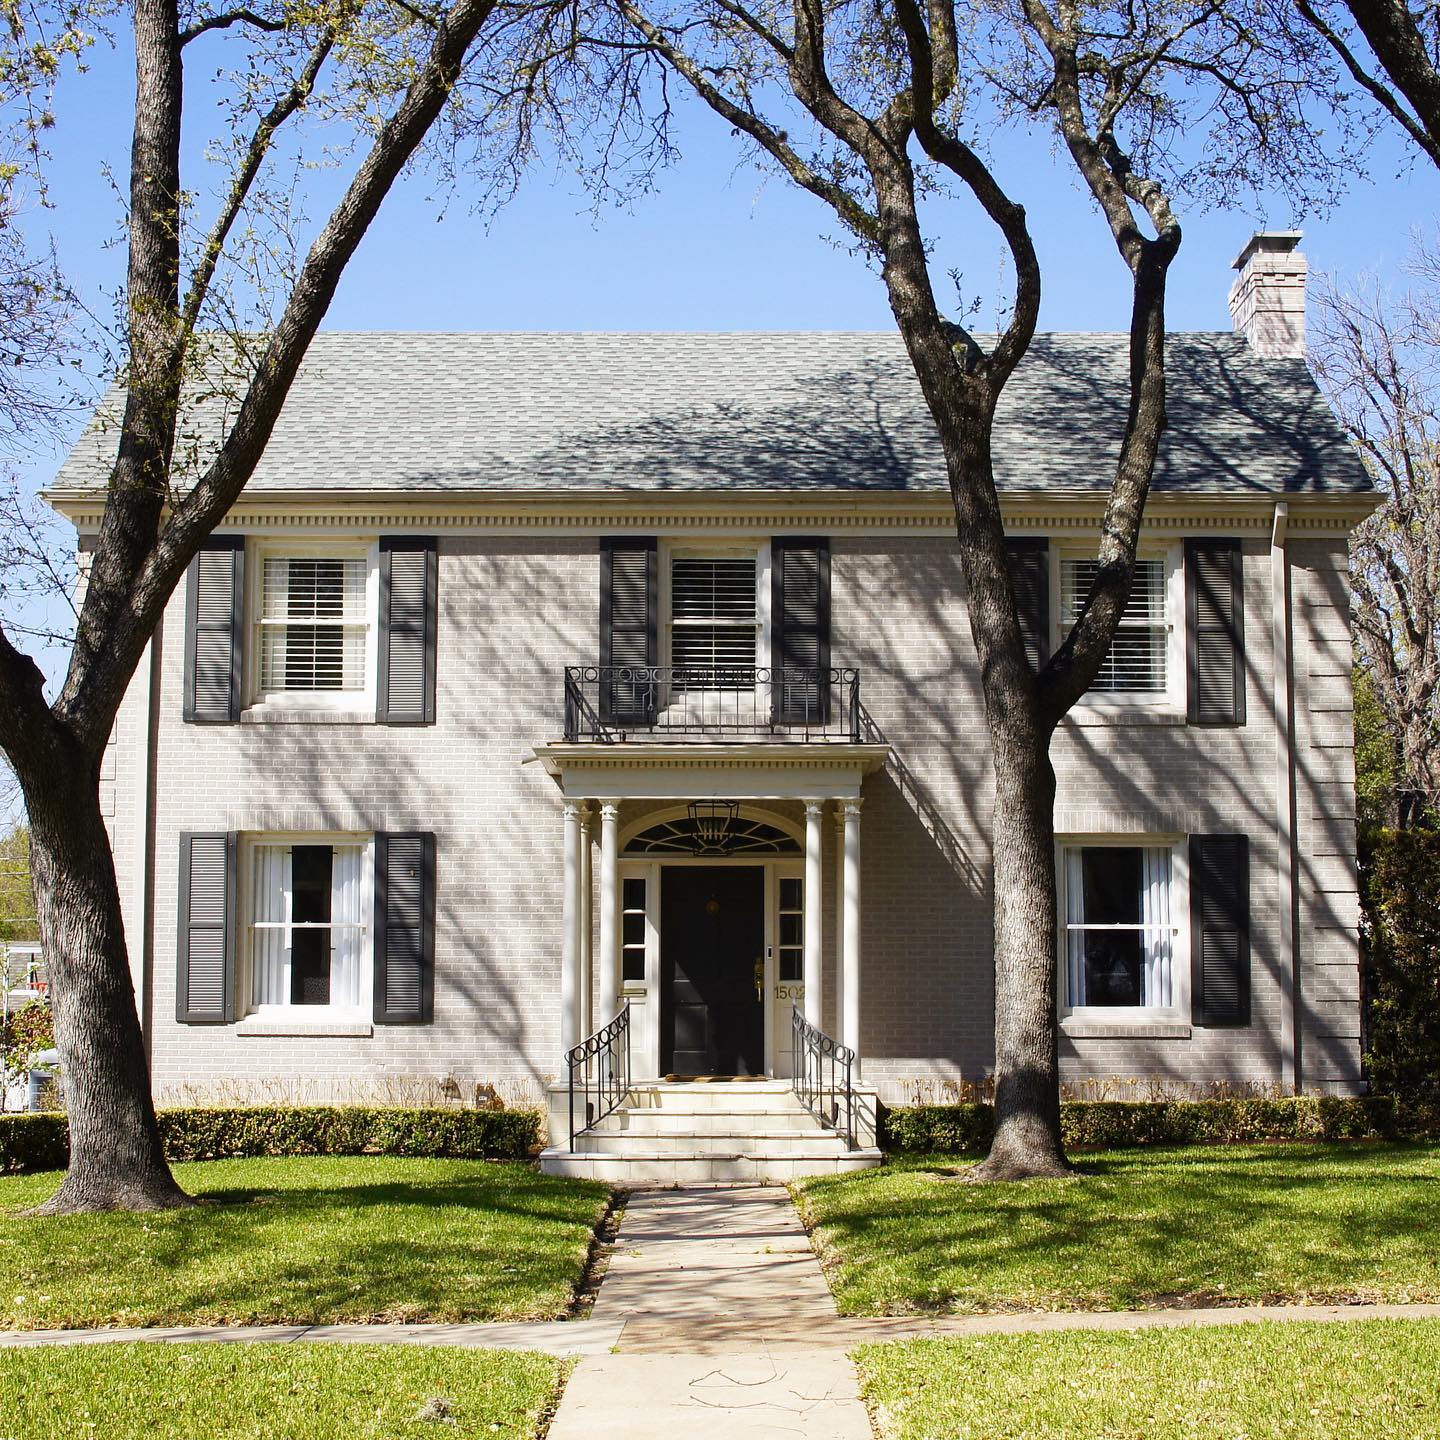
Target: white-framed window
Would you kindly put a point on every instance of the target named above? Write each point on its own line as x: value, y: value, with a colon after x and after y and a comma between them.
x: 309, y: 914
x: 1122, y: 950
x: 1145, y: 663
x: 715, y: 609
x: 313, y: 622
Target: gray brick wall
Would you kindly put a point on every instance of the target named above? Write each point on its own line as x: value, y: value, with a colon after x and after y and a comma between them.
x: 513, y: 612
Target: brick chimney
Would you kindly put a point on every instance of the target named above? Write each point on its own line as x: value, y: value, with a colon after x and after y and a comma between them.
x: 1267, y: 301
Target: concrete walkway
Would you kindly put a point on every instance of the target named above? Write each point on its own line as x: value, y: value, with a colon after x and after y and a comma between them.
x: 701, y: 1280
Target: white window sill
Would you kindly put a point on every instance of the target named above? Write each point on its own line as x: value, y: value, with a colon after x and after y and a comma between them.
x: 317, y: 1025
x: 1124, y: 712
x: 298, y: 715
x: 1142, y: 1026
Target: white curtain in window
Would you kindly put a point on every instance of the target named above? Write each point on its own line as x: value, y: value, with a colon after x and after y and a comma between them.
x: 1155, y: 914
x: 347, y: 920
x: 272, y: 896
x: 1075, y: 915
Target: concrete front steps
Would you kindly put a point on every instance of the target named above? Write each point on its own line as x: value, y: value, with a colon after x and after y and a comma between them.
x: 686, y: 1132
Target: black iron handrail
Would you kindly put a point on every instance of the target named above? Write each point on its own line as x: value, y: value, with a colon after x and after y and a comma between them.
x: 824, y: 1076
x: 600, y: 1072
x: 613, y: 703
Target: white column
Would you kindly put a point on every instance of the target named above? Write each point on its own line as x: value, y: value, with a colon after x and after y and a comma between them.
x: 587, y: 926
x: 814, y: 905
x: 850, y: 928
x: 609, y: 914
x: 839, y: 931
x: 570, y: 927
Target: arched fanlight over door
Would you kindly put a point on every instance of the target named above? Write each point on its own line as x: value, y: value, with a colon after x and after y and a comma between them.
x: 686, y: 835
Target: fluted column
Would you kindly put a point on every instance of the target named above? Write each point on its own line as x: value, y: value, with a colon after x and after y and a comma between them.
x: 570, y: 920
x: 814, y: 905
x: 850, y: 931
x: 609, y: 914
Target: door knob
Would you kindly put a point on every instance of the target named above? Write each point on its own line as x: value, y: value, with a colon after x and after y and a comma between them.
x: 760, y: 980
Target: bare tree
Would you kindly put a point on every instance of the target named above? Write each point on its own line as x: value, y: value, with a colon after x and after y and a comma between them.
x: 1393, y: 58
x: 227, y: 303
x: 870, y: 107
x: 1379, y: 361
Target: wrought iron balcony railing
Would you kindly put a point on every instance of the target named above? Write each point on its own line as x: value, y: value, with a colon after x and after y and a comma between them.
x: 614, y: 703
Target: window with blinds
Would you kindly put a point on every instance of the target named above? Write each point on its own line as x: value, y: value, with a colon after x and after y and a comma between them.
x: 313, y: 623
x: 713, y: 622
x: 1136, y: 663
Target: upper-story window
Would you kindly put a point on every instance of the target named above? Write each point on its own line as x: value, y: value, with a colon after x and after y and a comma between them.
x: 314, y: 625
x: 1144, y: 662
x: 714, y: 621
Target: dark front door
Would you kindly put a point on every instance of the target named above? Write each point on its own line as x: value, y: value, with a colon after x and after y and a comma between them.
x: 712, y: 936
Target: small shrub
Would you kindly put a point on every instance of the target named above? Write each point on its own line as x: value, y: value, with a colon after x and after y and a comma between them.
x: 1110, y: 1124
x: 40, y: 1142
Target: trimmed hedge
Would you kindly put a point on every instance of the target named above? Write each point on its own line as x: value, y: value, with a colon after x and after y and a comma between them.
x: 1109, y: 1124
x: 33, y: 1142
x: 41, y: 1142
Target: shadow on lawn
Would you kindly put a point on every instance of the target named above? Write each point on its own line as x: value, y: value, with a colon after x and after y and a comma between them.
x: 1142, y: 1228
x: 475, y: 1247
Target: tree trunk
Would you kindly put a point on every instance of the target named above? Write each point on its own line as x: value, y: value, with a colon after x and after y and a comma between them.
x: 117, y: 1161
x: 1027, y: 1063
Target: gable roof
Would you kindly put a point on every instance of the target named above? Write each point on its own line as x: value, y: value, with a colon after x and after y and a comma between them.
x: 781, y: 411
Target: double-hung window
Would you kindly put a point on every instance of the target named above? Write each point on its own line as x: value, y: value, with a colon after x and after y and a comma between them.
x: 314, y: 626
x: 1139, y: 662
x: 310, y: 940
x: 714, y: 622
x: 1118, y: 931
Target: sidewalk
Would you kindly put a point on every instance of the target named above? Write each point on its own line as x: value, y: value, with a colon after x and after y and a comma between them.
x: 702, y: 1281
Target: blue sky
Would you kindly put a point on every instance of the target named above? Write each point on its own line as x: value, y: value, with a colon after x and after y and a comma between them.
x: 717, y: 246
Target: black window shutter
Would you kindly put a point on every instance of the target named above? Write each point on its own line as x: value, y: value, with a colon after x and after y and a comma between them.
x: 205, y: 975
x: 1215, y: 631
x: 1220, y: 929
x: 404, y: 928
x: 1030, y: 575
x: 215, y: 631
x: 800, y: 617
x: 408, y: 574
x: 629, y: 630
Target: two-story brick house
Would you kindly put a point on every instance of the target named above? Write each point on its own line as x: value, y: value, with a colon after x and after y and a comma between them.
x: 538, y: 676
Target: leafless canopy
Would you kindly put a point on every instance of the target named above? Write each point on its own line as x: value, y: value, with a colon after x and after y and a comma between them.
x: 1379, y: 360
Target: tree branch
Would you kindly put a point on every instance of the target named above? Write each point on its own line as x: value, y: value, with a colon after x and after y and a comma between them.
x: 226, y: 19
x: 255, y: 153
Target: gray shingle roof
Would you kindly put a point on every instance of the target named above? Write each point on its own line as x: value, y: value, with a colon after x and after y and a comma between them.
x: 377, y: 411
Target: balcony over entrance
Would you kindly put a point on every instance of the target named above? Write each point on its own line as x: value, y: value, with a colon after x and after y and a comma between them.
x: 650, y: 704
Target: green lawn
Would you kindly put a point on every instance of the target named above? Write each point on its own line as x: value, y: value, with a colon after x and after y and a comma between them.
x: 261, y: 1392
x: 1216, y: 1225
x: 305, y: 1240
x: 1354, y: 1380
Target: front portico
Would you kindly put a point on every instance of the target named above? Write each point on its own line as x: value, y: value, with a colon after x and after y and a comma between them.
x: 711, y: 939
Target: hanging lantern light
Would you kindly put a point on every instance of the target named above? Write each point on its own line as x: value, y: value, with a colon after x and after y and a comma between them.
x: 712, y: 820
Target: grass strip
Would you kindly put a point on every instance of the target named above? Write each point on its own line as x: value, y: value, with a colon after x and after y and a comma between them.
x: 259, y: 1392
x: 1350, y: 1380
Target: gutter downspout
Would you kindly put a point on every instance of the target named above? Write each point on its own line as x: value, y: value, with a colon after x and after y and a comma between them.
x: 1283, y: 710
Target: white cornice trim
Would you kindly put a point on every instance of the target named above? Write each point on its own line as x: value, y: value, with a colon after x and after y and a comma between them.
x: 1050, y: 511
